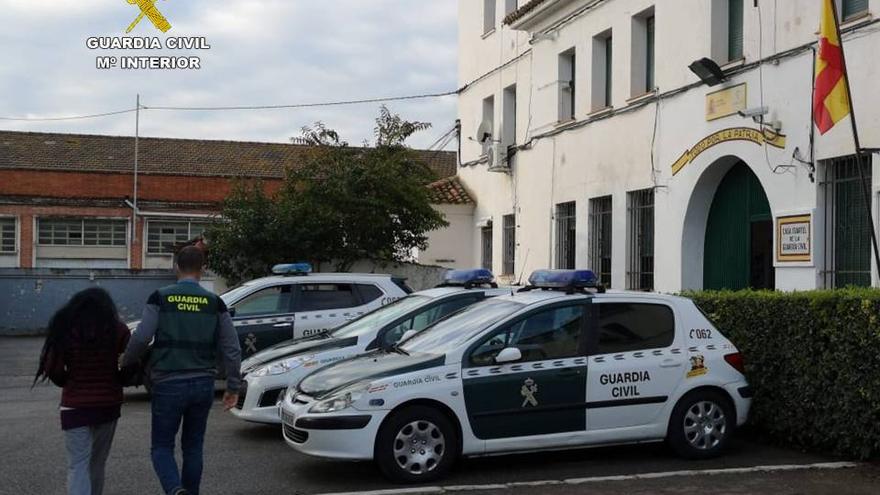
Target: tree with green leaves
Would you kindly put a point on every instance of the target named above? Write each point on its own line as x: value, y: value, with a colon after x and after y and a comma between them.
x: 339, y: 205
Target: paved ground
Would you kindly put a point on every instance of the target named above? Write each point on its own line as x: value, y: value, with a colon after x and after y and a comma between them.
x: 245, y: 458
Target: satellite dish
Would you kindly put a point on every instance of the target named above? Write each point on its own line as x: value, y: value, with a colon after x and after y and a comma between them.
x: 484, y: 131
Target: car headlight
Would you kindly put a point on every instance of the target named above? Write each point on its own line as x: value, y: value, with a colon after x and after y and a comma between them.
x: 340, y: 400
x: 281, y: 367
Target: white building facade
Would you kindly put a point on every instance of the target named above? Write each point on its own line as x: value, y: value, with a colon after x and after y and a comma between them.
x: 588, y: 142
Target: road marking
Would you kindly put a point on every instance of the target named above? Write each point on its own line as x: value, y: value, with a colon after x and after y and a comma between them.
x: 430, y: 490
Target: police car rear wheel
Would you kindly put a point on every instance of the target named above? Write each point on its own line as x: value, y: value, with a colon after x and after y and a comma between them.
x: 701, y: 425
x: 417, y: 444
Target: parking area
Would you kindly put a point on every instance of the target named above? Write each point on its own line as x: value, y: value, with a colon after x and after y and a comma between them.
x: 243, y: 458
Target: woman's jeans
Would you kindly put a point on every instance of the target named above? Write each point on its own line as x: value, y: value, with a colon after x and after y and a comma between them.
x: 87, y: 451
x: 187, y: 401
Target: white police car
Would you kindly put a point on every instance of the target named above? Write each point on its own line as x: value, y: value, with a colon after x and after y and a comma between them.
x: 268, y: 373
x: 296, y: 303
x: 553, y: 367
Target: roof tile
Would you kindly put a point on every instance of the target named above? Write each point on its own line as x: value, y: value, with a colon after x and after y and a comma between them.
x: 167, y: 156
x: 522, y: 11
x: 449, y: 191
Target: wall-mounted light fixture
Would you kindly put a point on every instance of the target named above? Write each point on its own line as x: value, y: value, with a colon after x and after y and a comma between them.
x: 708, y: 71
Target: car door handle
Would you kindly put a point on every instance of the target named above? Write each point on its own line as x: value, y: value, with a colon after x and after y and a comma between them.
x: 670, y: 363
x: 283, y: 325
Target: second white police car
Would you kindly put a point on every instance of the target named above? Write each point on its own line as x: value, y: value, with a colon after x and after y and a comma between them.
x: 556, y: 365
x: 268, y: 373
x: 297, y: 303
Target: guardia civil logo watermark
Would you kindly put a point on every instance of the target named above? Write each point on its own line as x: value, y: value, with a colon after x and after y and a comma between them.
x: 148, y: 52
x: 150, y: 11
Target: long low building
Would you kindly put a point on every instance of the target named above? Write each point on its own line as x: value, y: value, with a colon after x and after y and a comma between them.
x: 590, y: 141
x: 68, y: 217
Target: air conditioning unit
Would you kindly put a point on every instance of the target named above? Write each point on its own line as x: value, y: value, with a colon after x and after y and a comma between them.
x: 497, y: 158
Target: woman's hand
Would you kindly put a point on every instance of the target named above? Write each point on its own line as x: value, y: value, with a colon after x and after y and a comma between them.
x: 230, y: 399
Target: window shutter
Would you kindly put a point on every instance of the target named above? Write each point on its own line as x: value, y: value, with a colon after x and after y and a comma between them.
x: 488, y: 15
x: 735, y: 30
x: 649, y: 55
x: 608, y: 68
x: 853, y: 8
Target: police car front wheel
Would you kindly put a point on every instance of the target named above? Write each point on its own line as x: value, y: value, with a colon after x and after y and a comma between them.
x: 701, y: 425
x: 416, y: 444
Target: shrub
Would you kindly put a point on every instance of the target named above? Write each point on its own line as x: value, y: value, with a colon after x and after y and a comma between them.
x: 813, y: 359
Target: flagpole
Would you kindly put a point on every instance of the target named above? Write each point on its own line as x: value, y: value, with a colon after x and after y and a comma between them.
x: 866, y: 195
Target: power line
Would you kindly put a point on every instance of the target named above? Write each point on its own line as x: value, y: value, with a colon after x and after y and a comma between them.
x: 444, y: 139
x: 72, y: 117
x: 307, y: 105
x: 243, y: 107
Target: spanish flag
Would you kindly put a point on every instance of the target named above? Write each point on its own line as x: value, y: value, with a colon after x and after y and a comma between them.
x: 830, y: 102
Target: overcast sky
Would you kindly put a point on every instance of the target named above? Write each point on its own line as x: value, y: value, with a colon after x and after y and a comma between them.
x: 262, y: 52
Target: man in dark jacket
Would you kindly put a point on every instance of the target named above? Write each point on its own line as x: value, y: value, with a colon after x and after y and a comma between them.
x: 190, y: 327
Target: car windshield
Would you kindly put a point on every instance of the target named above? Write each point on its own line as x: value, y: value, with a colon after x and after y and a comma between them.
x: 379, y: 317
x: 449, y: 333
x: 235, y: 294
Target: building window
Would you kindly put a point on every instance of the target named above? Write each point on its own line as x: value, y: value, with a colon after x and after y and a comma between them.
x: 853, y: 8
x: 81, y: 232
x: 642, y: 60
x: 566, y: 234
x: 509, y: 242
x: 488, y: 16
x: 567, y: 84
x: 163, y: 237
x: 600, y: 238
x: 7, y: 235
x: 489, y: 119
x: 848, y: 231
x: 640, y: 275
x: 510, y: 7
x: 603, y: 48
x: 727, y: 30
x: 508, y: 121
x: 486, y: 246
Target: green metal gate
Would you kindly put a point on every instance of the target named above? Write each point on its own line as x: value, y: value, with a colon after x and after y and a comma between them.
x: 738, y: 247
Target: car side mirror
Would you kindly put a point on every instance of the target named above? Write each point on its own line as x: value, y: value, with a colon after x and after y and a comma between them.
x: 508, y: 355
x: 232, y: 312
x: 407, y: 334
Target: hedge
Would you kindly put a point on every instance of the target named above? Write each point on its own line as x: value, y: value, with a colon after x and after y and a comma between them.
x: 813, y: 359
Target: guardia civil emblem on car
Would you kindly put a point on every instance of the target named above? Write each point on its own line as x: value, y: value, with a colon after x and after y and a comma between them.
x: 250, y: 343
x: 528, y: 391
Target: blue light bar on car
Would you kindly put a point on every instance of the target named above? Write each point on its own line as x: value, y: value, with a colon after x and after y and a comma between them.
x: 292, y: 269
x: 468, y: 277
x: 563, y: 279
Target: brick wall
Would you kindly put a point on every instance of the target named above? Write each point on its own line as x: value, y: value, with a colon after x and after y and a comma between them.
x: 105, y: 186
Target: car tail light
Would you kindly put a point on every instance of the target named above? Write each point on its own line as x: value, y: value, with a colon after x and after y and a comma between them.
x: 736, y: 360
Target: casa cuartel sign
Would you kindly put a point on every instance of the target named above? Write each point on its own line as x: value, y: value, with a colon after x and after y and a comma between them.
x: 794, y: 238
x: 756, y: 136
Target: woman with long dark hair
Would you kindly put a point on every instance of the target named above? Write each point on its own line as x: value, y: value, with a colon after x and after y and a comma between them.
x: 81, y: 355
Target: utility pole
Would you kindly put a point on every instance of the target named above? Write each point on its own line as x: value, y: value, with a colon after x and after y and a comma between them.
x: 860, y: 154
x: 137, y: 131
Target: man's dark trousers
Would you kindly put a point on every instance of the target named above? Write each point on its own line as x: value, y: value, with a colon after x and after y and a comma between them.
x: 184, y: 401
